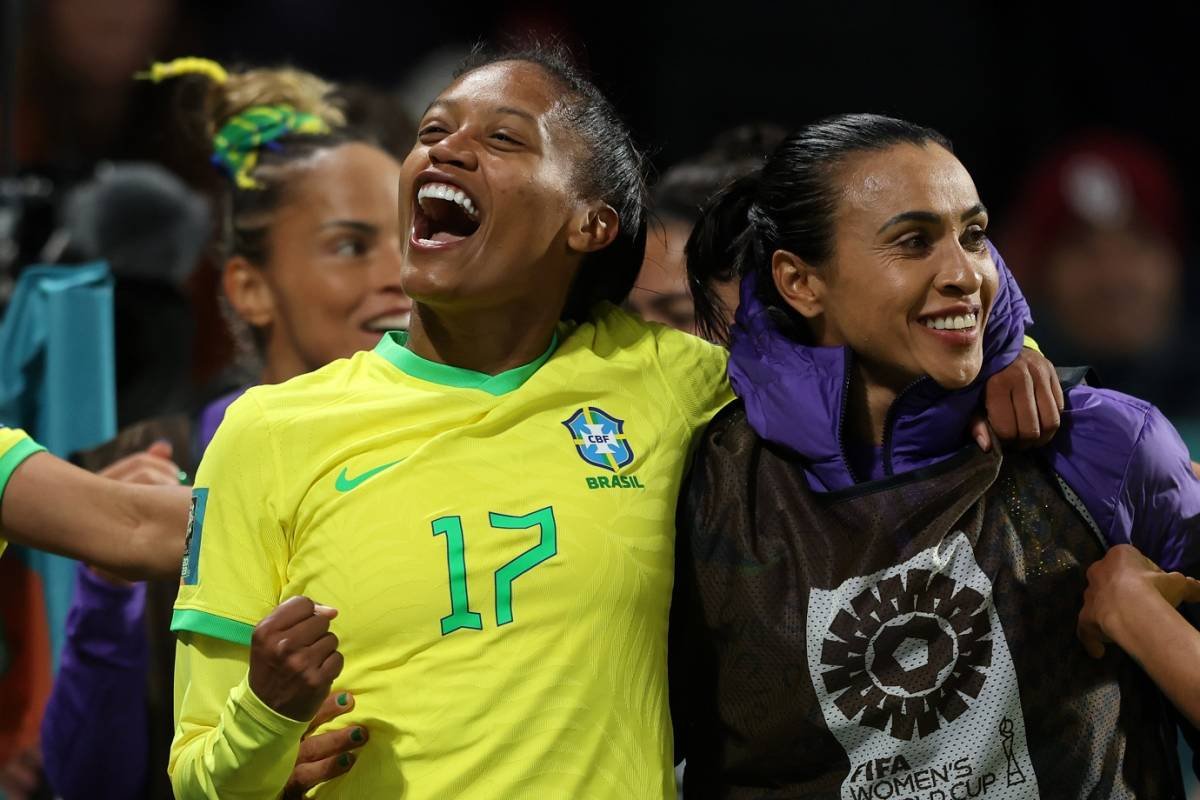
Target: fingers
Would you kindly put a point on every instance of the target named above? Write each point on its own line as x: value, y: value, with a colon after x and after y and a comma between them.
x: 332, y: 667
x: 332, y: 743
x: 287, y: 614
x: 1196, y: 470
x: 162, y: 449
x: 1089, y: 634
x: 304, y: 634
x: 1048, y: 399
x: 1000, y: 413
x: 1025, y: 408
x: 1060, y: 400
x: 1191, y: 592
x: 334, y: 706
x: 306, y: 776
x: 982, y: 434
x: 143, y: 468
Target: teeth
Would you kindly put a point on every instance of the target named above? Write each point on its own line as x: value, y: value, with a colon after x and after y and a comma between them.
x: 392, y: 322
x: 961, y: 322
x: 442, y: 191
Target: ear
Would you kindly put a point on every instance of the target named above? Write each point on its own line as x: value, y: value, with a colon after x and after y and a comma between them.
x: 594, y: 228
x: 801, y: 285
x: 249, y: 292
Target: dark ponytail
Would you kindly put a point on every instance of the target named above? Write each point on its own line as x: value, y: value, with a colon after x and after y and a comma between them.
x: 789, y: 204
x: 722, y: 245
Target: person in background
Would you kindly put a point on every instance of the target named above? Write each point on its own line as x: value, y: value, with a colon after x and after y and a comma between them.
x: 310, y: 245
x: 1097, y: 244
x: 661, y: 293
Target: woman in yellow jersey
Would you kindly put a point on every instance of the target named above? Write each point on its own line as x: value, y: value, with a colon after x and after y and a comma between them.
x: 472, y: 526
x: 48, y: 504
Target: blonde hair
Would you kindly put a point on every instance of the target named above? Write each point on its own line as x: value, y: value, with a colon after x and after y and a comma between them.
x: 286, y: 86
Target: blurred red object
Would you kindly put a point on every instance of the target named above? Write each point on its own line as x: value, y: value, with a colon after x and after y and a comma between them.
x: 1099, y: 180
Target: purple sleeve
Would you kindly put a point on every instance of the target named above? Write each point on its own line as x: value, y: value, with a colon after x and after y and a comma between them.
x: 94, y: 732
x: 1133, y: 473
x: 1159, y: 503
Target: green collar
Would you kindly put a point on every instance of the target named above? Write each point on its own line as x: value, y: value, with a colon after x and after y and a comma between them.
x: 394, y: 348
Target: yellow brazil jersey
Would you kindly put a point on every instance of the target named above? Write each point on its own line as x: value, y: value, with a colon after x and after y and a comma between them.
x: 499, y: 548
x: 15, y: 447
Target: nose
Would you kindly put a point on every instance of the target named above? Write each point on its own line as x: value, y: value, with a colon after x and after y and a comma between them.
x: 961, y: 272
x: 454, y: 149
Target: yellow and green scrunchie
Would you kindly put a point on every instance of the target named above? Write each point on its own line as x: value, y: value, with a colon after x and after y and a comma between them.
x: 236, y: 145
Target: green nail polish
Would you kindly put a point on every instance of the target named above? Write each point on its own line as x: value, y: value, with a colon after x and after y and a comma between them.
x: 343, y: 699
x: 344, y: 759
x: 183, y: 476
x: 356, y: 735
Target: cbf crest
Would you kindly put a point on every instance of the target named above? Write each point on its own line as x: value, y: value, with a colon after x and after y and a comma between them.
x: 600, y: 438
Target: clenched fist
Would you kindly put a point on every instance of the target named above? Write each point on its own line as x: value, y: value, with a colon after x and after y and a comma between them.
x: 294, y: 658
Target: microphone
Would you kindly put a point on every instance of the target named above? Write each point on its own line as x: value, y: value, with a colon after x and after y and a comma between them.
x: 141, y: 219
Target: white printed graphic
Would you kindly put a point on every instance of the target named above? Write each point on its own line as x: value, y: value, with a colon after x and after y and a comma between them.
x: 916, y: 681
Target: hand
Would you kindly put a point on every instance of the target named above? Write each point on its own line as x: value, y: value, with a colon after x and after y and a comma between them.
x: 152, y: 467
x: 294, y: 658
x: 327, y: 755
x: 1119, y: 587
x: 1024, y: 403
x: 21, y: 777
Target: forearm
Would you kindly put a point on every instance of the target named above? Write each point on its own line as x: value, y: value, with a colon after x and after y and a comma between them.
x: 1166, y: 645
x: 228, y: 744
x: 52, y: 505
x: 100, y: 688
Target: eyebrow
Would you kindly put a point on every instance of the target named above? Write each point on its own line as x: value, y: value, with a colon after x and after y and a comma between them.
x: 452, y: 104
x: 930, y: 217
x: 361, y: 227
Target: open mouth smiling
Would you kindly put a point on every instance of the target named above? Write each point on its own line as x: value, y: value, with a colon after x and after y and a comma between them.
x: 443, y: 215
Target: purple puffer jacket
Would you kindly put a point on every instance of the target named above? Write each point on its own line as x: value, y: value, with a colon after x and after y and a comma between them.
x: 1120, y: 455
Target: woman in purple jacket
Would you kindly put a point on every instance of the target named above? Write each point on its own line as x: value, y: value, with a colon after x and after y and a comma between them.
x: 867, y: 606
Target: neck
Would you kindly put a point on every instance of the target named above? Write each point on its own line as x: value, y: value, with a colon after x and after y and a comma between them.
x: 868, y: 405
x: 487, y: 341
x: 281, y: 363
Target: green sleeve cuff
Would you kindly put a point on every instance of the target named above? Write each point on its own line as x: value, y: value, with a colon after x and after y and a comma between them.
x: 263, y: 714
x: 202, y: 622
x: 13, y: 458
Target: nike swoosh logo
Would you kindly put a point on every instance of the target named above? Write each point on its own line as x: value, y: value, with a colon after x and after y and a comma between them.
x: 345, y: 484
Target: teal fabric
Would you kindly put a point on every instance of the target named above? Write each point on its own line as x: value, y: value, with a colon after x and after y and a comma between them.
x: 58, y: 382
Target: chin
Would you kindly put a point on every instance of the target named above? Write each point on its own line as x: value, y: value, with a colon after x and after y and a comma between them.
x: 954, y: 377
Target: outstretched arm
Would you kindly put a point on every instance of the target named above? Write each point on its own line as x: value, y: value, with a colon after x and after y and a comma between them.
x: 48, y: 504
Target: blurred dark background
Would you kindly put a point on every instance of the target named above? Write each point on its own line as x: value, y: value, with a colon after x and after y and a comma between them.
x: 1010, y: 83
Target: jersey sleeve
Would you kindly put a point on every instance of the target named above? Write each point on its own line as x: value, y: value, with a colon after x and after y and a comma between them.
x: 228, y: 743
x: 694, y: 372
x: 236, y: 552
x: 15, y: 447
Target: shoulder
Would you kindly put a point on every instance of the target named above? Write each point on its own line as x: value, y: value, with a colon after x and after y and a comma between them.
x: 280, y: 404
x: 611, y: 328
x: 1125, y: 460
